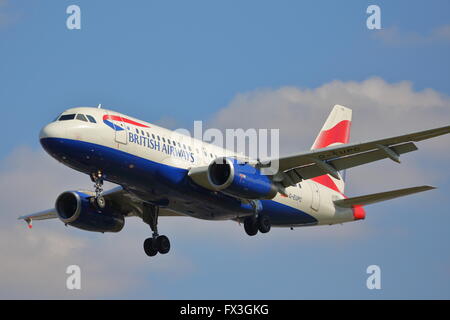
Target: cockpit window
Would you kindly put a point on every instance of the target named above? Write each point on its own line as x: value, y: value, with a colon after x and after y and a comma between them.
x: 81, y: 117
x: 91, y: 118
x: 67, y: 117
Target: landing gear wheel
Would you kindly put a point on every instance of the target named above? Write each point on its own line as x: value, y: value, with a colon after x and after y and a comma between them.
x: 264, y: 223
x: 250, y: 226
x: 163, y: 244
x: 149, y: 247
x: 98, y: 200
x: 101, y: 202
x: 157, y: 243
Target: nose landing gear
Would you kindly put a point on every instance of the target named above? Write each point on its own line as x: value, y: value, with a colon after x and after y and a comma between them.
x: 156, y: 243
x: 98, y: 200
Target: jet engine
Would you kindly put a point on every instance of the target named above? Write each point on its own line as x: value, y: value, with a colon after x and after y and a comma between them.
x: 74, y: 208
x: 235, y: 178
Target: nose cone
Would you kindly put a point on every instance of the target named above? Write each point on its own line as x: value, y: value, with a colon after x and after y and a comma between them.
x: 52, y: 130
x: 50, y: 138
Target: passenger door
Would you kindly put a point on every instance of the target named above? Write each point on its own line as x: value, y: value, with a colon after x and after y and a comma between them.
x: 121, y: 132
x: 120, y: 128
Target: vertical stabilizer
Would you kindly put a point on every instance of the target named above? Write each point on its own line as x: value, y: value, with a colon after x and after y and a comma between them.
x: 335, y: 131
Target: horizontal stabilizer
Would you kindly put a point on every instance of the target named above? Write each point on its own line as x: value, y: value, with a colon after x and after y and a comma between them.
x: 378, y: 197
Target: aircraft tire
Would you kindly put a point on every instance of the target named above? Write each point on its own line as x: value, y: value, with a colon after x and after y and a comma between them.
x: 251, y: 226
x: 163, y: 244
x: 264, y: 223
x: 101, y: 202
x: 149, y: 247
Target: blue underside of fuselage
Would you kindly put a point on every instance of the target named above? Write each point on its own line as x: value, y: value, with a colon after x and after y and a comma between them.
x: 164, y: 184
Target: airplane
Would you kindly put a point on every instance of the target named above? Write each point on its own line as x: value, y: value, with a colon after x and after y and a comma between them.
x: 160, y: 172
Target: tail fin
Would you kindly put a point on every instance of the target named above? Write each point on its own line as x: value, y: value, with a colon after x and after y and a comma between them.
x: 335, y: 131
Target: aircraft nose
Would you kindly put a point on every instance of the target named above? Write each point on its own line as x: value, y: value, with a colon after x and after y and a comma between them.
x: 52, y: 130
x: 50, y: 137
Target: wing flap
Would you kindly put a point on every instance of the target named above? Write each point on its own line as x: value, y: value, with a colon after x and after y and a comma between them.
x: 378, y: 197
x: 332, y: 153
x: 314, y: 170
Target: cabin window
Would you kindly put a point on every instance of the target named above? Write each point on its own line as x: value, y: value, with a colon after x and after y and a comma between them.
x: 164, y: 139
x: 81, y: 117
x: 153, y: 136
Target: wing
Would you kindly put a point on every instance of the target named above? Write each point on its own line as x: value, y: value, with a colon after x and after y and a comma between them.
x: 130, y: 204
x: 298, y: 167
x: 378, y: 197
x: 42, y: 215
x: 124, y: 201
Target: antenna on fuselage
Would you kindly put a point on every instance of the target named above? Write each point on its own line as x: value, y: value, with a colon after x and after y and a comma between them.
x: 99, y: 106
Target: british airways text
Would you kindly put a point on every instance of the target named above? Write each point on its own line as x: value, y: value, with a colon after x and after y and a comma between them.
x: 162, y: 147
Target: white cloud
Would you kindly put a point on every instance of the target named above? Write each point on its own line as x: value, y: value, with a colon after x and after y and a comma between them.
x: 393, y: 36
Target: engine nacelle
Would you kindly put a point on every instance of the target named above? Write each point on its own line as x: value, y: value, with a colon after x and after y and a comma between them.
x: 237, y: 179
x: 74, y: 208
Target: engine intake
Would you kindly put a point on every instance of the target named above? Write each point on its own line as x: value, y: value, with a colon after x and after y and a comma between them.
x: 74, y: 208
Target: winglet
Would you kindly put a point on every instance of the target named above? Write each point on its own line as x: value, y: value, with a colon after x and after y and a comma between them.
x: 29, y: 222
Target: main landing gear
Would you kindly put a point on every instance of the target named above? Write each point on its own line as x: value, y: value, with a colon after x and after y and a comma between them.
x: 254, y: 224
x: 156, y: 243
x: 98, y: 200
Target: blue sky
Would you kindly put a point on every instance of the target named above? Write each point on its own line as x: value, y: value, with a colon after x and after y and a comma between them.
x: 173, y: 62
